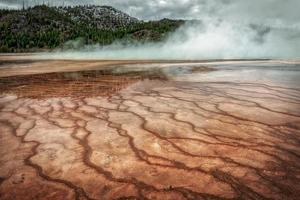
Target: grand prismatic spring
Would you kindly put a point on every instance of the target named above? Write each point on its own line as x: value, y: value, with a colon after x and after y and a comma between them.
x: 149, y: 130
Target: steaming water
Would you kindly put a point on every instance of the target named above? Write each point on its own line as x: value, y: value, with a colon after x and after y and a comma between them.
x: 275, y: 73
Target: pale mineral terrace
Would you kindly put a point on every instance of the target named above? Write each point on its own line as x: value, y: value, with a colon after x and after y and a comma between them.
x: 215, y: 130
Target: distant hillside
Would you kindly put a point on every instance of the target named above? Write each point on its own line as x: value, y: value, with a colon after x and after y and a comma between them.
x: 102, y: 17
x: 43, y: 28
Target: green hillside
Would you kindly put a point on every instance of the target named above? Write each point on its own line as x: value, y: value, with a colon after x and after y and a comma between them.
x: 44, y: 28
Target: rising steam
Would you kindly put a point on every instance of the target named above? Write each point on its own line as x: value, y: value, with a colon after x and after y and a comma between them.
x: 210, y: 39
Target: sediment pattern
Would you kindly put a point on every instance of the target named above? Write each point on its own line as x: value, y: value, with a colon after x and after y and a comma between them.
x: 154, y: 140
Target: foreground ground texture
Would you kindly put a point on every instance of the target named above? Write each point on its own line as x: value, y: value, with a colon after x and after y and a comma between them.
x: 216, y: 130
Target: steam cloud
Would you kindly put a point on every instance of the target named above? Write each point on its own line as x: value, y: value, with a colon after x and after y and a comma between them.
x: 211, y: 39
x: 229, y: 29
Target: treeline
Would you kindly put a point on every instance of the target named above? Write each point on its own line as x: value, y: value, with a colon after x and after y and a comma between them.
x: 44, y: 28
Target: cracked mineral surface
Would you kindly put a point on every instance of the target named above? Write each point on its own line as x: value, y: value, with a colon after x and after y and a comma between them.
x: 203, y: 130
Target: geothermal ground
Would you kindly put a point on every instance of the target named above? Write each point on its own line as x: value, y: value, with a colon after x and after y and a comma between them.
x: 142, y: 130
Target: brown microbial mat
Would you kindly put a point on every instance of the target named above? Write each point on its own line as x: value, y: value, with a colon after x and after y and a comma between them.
x: 73, y: 84
x: 215, y: 130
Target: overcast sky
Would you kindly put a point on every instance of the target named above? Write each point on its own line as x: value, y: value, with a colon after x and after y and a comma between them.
x: 285, y: 12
